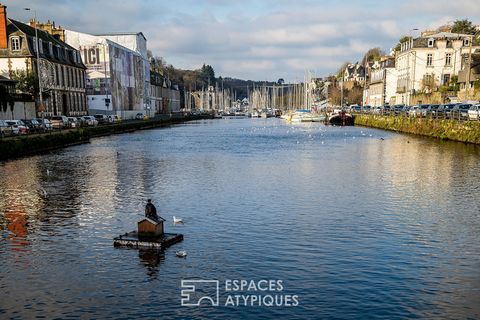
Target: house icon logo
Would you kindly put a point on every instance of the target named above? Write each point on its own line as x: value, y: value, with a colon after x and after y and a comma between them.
x: 196, y: 292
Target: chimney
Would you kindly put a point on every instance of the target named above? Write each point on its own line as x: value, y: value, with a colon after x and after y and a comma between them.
x: 3, y: 27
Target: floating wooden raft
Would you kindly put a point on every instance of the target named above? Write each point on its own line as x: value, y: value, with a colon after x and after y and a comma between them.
x: 132, y: 240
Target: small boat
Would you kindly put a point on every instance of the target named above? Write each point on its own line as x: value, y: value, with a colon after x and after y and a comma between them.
x: 341, y: 118
x: 305, y: 116
x: 181, y: 253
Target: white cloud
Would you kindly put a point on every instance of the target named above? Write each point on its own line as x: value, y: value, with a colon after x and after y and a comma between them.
x: 256, y: 39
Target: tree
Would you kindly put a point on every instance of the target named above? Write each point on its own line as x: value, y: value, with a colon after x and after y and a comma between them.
x: 280, y: 81
x: 207, y: 74
x: 341, y: 70
x: 27, y: 82
x: 373, y: 54
x: 464, y: 26
x: 355, y: 95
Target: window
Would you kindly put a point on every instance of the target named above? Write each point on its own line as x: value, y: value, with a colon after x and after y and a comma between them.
x: 466, y: 42
x: 50, y: 48
x: 40, y: 45
x: 446, y: 79
x: 430, y: 43
x: 15, y: 43
x: 448, y: 59
x: 429, y: 59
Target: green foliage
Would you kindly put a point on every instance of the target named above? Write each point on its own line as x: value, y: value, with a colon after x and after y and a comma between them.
x: 402, y: 40
x: 476, y: 84
x: 464, y: 131
x: 207, y: 75
x: 373, y: 54
x: 464, y: 26
x: 341, y: 70
x: 27, y: 82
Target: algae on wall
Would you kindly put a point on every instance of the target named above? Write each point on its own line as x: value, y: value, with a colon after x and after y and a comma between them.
x: 467, y: 131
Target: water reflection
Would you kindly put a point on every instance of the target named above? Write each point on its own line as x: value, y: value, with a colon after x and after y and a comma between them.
x: 151, y: 259
x: 352, y: 223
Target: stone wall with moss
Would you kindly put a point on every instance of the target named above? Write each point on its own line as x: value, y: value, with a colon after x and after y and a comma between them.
x: 14, y: 147
x: 466, y: 131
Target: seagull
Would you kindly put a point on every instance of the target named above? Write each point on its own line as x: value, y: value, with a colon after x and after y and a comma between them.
x: 181, y: 253
x: 177, y: 220
x: 48, y: 172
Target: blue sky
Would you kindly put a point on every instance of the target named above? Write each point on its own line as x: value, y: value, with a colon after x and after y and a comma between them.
x: 258, y: 40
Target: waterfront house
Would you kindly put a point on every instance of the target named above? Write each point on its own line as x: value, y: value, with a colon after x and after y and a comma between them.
x: 382, y: 83
x: 425, y: 63
x: 62, y: 73
x: 165, y: 96
x: 354, y: 74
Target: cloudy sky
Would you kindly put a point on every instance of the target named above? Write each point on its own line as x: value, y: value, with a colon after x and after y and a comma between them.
x: 255, y: 39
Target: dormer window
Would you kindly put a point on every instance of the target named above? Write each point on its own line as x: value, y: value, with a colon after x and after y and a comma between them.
x: 430, y: 43
x: 50, y: 48
x: 40, y: 45
x: 466, y: 42
x: 15, y: 43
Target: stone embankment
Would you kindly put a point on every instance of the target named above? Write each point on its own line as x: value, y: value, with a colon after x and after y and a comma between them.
x: 15, y: 147
x: 463, y: 131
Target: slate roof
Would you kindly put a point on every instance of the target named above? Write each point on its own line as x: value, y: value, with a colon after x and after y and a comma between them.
x: 14, y: 26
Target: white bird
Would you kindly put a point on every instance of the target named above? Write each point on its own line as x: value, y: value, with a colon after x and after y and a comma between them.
x: 177, y: 220
x: 44, y: 192
x: 181, y: 253
x: 48, y: 172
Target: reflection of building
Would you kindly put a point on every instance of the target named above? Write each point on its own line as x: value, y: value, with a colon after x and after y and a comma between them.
x: 62, y: 73
x: 427, y: 62
x: 115, y: 75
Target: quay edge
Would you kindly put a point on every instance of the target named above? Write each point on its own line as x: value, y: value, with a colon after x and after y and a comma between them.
x: 29, y: 145
x: 462, y: 131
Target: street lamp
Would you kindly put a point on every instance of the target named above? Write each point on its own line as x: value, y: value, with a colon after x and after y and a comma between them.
x: 40, y: 89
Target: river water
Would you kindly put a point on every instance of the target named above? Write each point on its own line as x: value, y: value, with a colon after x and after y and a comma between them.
x: 344, y: 222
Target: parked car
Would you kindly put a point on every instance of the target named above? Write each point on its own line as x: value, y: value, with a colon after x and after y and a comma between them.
x: 90, y: 120
x: 33, y: 125
x: 445, y: 110
x: 139, y: 116
x: 474, y: 112
x: 18, y: 124
x: 45, y: 124
x: 432, y: 110
x: 72, y: 122
x: 113, y: 118
x: 419, y: 110
x: 59, y: 122
x: 355, y: 108
x: 460, y: 111
x: 101, y: 118
x: 81, y: 121
x: 398, y: 109
x: 6, y: 129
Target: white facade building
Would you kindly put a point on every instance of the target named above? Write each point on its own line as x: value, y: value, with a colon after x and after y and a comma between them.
x: 382, y: 83
x: 425, y: 63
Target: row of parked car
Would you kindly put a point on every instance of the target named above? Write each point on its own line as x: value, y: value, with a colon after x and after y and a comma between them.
x: 37, y: 125
x: 457, y: 111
